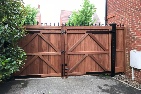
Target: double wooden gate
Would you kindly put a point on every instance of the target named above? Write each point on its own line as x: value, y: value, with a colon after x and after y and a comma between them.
x: 77, y: 50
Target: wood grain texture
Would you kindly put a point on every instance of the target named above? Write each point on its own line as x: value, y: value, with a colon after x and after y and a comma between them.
x: 83, y: 52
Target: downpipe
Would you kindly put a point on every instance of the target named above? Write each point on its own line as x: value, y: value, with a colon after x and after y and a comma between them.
x: 133, y: 76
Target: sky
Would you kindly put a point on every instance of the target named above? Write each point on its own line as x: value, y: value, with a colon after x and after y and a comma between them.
x: 51, y: 9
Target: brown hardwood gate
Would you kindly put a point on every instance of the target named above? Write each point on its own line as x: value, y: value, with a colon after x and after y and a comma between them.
x: 43, y: 48
x: 71, y: 50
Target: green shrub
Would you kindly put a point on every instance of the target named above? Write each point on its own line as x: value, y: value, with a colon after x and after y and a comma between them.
x: 13, y: 14
x: 31, y: 15
x: 12, y: 17
x: 11, y: 62
x: 83, y: 16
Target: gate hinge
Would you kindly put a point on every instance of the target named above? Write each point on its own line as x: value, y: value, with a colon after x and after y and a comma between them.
x: 63, y: 32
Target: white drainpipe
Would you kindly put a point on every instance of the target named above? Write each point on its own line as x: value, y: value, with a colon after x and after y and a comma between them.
x: 133, y: 77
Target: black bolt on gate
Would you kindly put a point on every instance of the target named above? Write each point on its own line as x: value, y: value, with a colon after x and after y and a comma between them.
x: 113, y: 48
x: 63, y: 32
x: 64, y: 71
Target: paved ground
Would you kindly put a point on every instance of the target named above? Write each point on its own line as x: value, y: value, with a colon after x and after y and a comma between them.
x: 72, y: 85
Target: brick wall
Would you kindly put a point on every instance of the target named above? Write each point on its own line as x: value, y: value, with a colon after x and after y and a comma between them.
x: 127, y: 12
x: 38, y: 16
x: 64, y: 16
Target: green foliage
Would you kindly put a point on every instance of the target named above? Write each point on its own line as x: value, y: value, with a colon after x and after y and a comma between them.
x: 12, y: 16
x: 11, y: 62
x: 83, y: 16
x: 31, y: 15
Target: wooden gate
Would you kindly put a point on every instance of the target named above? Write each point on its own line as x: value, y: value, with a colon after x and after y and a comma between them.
x: 72, y: 50
x: 87, y: 52
x: 43, y: 48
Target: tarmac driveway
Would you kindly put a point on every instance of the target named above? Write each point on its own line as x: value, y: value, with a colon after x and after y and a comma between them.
x: 72, y: 85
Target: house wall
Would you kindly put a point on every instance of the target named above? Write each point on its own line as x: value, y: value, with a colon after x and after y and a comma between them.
x: 64, y: 16
x: 127, y: 12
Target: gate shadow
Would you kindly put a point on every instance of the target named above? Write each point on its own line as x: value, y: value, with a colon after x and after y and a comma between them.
x: 12, y: 86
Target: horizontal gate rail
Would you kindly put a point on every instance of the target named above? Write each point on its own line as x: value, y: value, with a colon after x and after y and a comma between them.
x: 99, y: 32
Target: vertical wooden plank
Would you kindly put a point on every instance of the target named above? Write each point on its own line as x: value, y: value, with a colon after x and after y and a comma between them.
x: 109, y: 42
x: 58, y: 57
x: 52, y: 61
x: 73, y: 59
x: 52, y: 57
x: 48, y: 57
x: 92, y: 65
x: 68, y: 47
x: 82, y: 68
x: 50, y: 70
x: 62, y: 47
x: 96, y: 67
x: 85, y: 47
x: 45, y: 48
x: 89, y: 64
x: 124, y: 46
x: 45, y: 66
x: 81, y: 47
x: 40, y: 50
x: 34, y: 67
x: 28, y: 67
x: 120, y: 51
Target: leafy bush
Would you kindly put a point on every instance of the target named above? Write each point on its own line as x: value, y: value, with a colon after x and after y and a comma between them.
x: 31, y: 15
x: 12, y: 17
x: 83, y: 16
x: 11, y: 62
